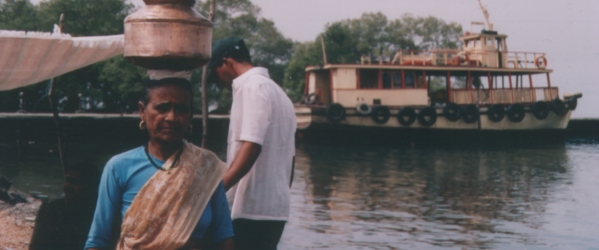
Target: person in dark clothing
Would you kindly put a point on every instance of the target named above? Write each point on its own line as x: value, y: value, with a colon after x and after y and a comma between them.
x: 64, y: 223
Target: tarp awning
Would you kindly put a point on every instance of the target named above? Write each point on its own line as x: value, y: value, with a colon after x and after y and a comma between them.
x: 31, y: 57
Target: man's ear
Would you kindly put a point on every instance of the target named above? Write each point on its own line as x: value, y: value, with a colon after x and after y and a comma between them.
x: 141, y: 107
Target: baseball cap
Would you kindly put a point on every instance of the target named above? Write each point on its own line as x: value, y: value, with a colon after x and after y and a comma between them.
x: 230, y: 47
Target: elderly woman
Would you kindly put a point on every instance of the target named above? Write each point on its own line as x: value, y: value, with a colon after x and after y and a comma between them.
x: 168, y: 193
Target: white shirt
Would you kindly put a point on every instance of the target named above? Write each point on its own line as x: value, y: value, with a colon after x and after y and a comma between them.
x: 262, y: 113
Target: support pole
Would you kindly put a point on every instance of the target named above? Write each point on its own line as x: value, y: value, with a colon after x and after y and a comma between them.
x: 63, y: 160
x: 204, y: 95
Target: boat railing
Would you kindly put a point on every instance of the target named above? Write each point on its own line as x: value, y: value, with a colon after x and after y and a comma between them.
x: 441, y: 57
x: 503, y: 96
x: 526, y: 60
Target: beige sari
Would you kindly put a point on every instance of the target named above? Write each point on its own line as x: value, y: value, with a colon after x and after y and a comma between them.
x: 168, y: 207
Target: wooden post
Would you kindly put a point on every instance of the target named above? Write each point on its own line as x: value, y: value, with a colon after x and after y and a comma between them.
x: 63, y: 160
x: 449, y: 95
x: 204, y: 79
x: 511, y: 87
x: 324, y: 51
x: 491, y: 91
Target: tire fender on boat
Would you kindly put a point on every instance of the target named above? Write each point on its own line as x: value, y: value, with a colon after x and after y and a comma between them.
x: 559, y: 107
x: 335, y: 112
x: 406, y: 116
x: 470, y: 113
x: 541, y: 62
x: 515, y: 112
x: 364, y: 109
x: 452, y: 112
x: 312, y: 98
x: 572, y: 103
x: 540, y: 110
x: 496, y: 112
x: 380, y: 114
x: 427, y: 116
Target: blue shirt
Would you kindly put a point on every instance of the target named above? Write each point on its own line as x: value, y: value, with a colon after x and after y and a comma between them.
x: 123, y: 176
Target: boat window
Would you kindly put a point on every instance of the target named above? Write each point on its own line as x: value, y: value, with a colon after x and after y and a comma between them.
x: 369, y: 78
x: 397, y: 80
x: 410, y: 79
x: 490, y: 42
x: 386, y: 80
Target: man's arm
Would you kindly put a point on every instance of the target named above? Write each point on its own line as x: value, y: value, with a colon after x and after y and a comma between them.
x: 242, y: 163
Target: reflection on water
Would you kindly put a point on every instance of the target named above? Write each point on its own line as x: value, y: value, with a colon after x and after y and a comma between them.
x: 387, y: 198
x: 381, y: 198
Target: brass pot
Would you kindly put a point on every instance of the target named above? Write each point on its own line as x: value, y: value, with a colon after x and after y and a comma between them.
x: 189, y: 3
x: 168, y: 36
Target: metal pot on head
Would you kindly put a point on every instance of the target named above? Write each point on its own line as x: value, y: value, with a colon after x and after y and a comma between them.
x: 168, y: 35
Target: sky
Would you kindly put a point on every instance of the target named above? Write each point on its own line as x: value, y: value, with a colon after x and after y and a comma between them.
x: 566, y: 30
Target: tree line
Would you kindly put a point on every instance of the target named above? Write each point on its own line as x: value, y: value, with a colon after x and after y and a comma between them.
x: 115, y: 85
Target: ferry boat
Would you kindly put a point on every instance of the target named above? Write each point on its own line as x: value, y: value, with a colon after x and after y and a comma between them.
x: 466, y: 94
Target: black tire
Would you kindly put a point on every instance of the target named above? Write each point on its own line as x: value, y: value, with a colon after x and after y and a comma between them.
x: 311, y: 98
x: 452, y: 112
x: 406, y: 116
x: 364, y: 109
x: 515, y: 112
x: 427, y: 116
x: 572, y: 103
x: 540, y: 110
x: 559, y: 107
x: 335, y: 112
x: 496, y: 112
x: 380, y: 114
x: 470, y: 113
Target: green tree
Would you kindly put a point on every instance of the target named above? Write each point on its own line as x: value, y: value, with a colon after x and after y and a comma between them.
x: 18, y: 15
x: 268, y: 47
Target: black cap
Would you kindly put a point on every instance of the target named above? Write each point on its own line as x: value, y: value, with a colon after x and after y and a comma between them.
x: 229, y: 47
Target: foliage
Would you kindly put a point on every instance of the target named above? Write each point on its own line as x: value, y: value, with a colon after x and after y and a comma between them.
x: 371, y: 35
x: 268, y: 47
x: 110, y: 86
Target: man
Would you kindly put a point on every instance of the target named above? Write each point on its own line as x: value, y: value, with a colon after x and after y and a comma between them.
x: 261, y: 146
x: 63, y: 223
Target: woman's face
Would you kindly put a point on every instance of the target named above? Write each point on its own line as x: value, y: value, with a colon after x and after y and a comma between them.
x: 167, y: 113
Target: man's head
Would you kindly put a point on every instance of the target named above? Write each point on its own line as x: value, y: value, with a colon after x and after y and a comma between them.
x: 81, y: 181
x: 230, y: 57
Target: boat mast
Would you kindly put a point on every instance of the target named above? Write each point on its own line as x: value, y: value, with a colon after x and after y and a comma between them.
x: 486, y: 13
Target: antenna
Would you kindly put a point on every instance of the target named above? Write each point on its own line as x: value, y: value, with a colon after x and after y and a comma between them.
x: 486, y: 13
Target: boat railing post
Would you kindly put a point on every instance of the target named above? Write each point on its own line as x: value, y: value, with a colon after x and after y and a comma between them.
x: 412, y: 56
x: 511, y: 86
x: 549, y: 85
x: 532, y: 90
x: 491, y: 91
x: 449, y: 93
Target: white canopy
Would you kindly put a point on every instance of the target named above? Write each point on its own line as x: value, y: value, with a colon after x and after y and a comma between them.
x: 30, y: 57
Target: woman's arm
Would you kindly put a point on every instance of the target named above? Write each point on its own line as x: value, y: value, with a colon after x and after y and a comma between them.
x: 227, y: 244
x: 107, y: 211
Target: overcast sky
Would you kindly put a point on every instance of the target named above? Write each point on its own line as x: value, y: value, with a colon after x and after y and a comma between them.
x: 566, y: 30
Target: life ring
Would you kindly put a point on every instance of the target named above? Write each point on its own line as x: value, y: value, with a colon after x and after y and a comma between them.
x: 470, y: 113
x: 496, y: 112
x: 463, y: 58
x: 541, y: 62
x: 363, y: 109
x: 427, y: 116
x: 406, y: 116
x: 452, y: 112
x: 311, y: 98
x: 572, y: 103
x: 335, y: 112
x: 540, y: 110
x: 515, y: 112
x: 559, y: 107
x: 380, y: 114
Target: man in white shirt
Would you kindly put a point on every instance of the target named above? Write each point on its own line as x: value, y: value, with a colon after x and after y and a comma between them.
x: 261, y: 146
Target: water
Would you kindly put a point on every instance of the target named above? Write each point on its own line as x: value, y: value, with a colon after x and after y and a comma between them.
x: 397, y: 198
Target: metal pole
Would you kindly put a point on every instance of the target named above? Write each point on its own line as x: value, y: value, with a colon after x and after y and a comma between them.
x: 324, y: 51
x: 204, y: 78
x: 55, y: 114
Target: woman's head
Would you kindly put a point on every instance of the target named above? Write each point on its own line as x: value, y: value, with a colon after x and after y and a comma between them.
x: 165, y: 109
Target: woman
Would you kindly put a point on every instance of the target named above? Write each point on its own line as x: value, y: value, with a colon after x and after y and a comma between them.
x: 168, y: 192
